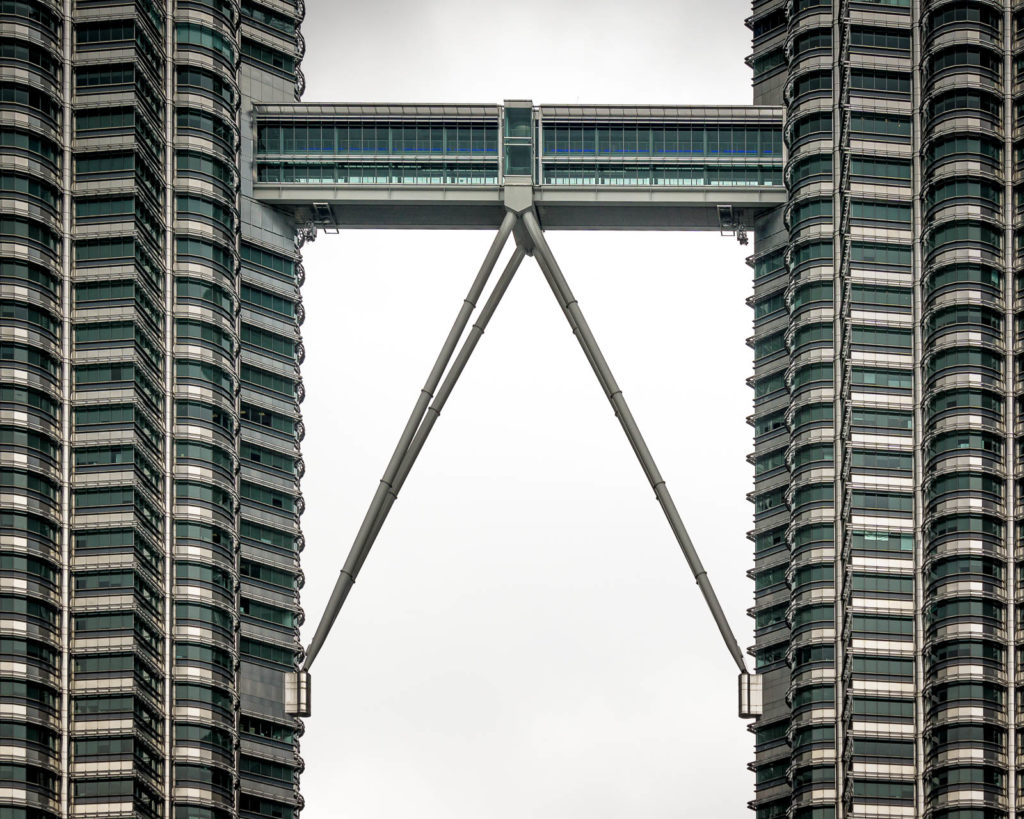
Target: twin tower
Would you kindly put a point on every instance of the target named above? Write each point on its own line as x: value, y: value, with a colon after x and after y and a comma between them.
x: 157, y: 179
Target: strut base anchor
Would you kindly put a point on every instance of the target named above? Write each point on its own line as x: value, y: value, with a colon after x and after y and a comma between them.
x: 297, y: 691
x: 751, y: 706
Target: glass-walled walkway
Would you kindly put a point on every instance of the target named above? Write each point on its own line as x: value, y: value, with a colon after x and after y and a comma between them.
x: 572, y: 145
x: 684, y: 159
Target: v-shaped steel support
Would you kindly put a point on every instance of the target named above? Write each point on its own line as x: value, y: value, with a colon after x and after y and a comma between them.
x: 530, y: 239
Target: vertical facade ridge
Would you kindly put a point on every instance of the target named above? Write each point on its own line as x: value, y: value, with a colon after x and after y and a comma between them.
x: 168, y: 440
x: 918, y: 420
x: 65, y: 414
x: 835, y: 208
x: 1013, y: 456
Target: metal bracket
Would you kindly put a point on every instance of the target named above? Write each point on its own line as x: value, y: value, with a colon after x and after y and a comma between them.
x: 729, y: 224
x: 304, y: 234
x: 323, y: 217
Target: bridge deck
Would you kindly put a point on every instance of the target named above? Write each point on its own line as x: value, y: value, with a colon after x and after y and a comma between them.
x: 591, y: 167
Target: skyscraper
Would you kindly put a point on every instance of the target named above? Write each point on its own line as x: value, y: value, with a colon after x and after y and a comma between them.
x: 149, y: 421
x: 886, y: 426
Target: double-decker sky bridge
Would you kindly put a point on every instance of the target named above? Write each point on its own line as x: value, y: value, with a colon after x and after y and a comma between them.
x: 590, y: 167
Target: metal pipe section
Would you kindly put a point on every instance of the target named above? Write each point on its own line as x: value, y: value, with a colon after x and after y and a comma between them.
x: 445, y: 391
x: 361, y: 544
x: 560, y: 287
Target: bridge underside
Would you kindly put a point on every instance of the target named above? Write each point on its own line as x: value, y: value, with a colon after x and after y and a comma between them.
x: 389, y: 207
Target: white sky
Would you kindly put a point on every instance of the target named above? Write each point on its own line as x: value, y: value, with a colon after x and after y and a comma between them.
x: 525, y: 639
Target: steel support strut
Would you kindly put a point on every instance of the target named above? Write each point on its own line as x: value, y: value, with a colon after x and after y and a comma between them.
x: 363, y: 541
x: 578, y: 322
x: 445, y: 390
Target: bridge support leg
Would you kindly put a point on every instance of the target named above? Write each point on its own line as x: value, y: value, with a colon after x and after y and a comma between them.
x: 556, y: 280
x: 361, y: 544
x: 445, y: 390
x: 418, y: 428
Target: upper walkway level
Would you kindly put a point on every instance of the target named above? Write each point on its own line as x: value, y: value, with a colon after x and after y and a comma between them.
x: 590, y: 167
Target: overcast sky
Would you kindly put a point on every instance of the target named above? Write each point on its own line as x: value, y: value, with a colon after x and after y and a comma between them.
x: 525, y: 639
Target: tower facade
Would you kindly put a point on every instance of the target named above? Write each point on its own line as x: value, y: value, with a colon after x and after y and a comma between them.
x: 149, y: 423
x: 885, y: 412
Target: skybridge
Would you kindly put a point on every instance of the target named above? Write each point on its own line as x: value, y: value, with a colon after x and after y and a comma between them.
x: 450, y: 166
x: 519, y: 170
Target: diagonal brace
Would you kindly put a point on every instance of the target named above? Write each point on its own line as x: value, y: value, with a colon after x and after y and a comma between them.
x: 364, y: 539
x: 445, y: 390
x: 556, y: 280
